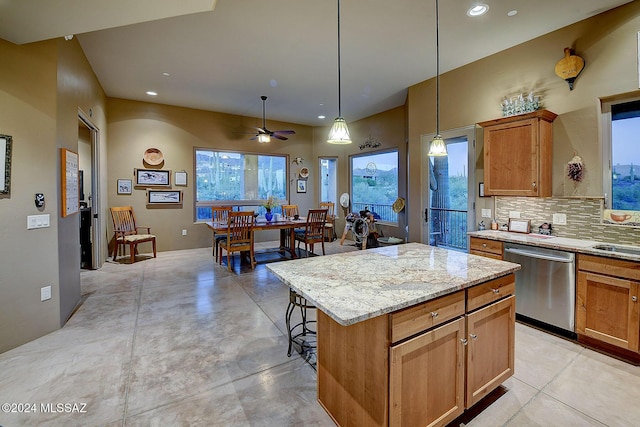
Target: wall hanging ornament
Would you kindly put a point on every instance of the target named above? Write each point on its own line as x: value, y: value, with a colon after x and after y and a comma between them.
x: 569, y: 67
x: 575, y: 168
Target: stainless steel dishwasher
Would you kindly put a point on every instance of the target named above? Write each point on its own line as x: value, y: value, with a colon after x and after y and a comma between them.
x: 545, y: 285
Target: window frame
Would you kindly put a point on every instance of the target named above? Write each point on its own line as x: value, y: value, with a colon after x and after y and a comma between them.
x: 236, y: 203
x: 606, y: 107
x: 396, y: 150
x: 335, y: 196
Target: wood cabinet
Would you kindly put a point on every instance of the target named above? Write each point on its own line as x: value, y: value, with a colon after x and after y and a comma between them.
x: 490, y: 348
x: 420, y: 366
x: 607, y: 306
x: 518, y: 155
x: 485, y: 247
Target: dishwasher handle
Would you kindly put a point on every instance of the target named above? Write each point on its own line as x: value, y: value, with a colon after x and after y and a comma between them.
x: 532, y: 254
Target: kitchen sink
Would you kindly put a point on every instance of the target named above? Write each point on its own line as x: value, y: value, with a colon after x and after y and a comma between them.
x: 619, y: 249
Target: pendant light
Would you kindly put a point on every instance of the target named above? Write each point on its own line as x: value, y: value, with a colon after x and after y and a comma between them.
x: 437, y: 147
x: 339, y: 133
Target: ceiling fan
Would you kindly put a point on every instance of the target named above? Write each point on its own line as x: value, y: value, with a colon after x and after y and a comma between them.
x: 264, y: 134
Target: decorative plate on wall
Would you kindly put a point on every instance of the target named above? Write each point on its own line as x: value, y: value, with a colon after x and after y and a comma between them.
x: 153, y: 157
x: 304, y: 172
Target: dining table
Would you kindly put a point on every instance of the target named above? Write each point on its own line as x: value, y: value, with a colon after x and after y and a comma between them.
x: 285, y: 225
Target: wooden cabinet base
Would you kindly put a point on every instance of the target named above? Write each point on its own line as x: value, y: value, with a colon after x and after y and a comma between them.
x: 609, y: 349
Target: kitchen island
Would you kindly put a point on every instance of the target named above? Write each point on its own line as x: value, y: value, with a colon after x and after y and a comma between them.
x: 407, y: 334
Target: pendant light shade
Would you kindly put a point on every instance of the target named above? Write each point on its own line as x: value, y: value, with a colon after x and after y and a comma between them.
x: 339, y: 133
x: 437, y: 147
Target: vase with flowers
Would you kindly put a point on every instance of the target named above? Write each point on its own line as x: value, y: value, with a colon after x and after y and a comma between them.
x: 269, y: 204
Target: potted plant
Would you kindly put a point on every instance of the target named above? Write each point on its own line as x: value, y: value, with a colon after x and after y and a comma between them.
x: 269, y: 204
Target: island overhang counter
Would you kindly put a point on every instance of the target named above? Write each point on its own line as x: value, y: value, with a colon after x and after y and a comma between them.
x: 408, y: 334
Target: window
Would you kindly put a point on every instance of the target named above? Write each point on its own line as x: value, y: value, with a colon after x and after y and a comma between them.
x: 329, y: 180
x: 622, y: 153
x: 238, y: 179
x: 374, y: 184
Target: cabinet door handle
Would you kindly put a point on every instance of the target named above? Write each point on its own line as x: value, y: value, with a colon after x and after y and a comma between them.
x: 495, y: 291
x: 463, y: 341
x: 473, y: 336
x: 634, y: 298
x: 434, y: 314
x: 533, y: 184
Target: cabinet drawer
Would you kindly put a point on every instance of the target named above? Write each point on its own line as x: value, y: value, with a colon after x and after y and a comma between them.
x: 486, y: 254
x: 485, y: 245
x: 491, y: 291
x: 413, y: 320
x: 609, y: 266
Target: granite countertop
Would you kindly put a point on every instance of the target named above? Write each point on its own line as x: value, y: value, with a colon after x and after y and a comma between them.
x: 355, y: 286
x: 554, y: 242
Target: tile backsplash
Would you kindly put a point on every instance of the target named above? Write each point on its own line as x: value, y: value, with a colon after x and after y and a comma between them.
x: 584, y: 218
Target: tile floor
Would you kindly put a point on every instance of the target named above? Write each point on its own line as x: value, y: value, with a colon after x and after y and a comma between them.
x: 180, y: 341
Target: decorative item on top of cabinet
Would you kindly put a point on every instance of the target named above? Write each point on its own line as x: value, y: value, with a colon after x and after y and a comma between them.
x: 607, y: 306
x: 485, y: 247
x: 518, y: 155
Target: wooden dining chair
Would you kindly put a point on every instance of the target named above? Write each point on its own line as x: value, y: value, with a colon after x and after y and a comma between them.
x: 288, y: 211
x: 330, y: 226
x: 127, y: 233
x: 239, y: 237
x: 220, y: 215
x: 313, y: 231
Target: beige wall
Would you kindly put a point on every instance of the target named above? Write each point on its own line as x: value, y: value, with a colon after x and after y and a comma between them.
x: 38, y: 110
x: 473, y: 93
x: 136, y: 126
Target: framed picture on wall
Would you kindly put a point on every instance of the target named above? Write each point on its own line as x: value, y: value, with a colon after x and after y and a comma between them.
x: 301, y: 186
x: 164, y: 197
x: 124, y: 186
x: 481, y: 189
x: 152, y: 178
x: 5, y: 164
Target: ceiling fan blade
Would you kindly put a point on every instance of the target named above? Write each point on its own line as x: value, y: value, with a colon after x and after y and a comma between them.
x: 285, y: 132
x: 283, y: 138
x: 254, y: 138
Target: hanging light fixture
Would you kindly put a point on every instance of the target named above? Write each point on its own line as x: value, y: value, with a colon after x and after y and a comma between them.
x: 339, y: 133
x: 437, y: 147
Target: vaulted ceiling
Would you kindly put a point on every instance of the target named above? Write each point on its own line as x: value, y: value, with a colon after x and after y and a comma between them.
x: 223, y: 55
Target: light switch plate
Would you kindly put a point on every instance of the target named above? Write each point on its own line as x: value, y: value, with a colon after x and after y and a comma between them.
x: 559, y: 219
x: 37, y: 221
x: 45, y: 293
x: 486, y: 213
x: 514, y: 214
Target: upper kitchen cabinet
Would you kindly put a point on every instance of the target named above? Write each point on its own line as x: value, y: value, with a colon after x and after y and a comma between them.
x: 518, y: 155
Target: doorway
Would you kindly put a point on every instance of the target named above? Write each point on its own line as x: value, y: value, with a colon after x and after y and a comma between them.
x: 450, y: 190
x: 89, y: 168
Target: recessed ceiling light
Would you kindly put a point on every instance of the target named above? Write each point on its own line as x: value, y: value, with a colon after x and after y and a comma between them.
x: 152, y: 93
x: 322, y: 117
x: 478, y: 9
x: 512, y: 13
x: 166, y: 74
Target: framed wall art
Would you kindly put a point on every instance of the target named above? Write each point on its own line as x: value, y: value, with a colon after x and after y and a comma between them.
x: 5, y: 164
x: 152, y: 178
x: 164, y: 197
x: 181, y: 178
x: 481, y: 189
x: 301, y: 186
x: 70, y: 182
x: 124, y: 186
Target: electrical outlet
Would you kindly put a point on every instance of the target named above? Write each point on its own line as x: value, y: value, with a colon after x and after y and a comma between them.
x: 45, y: 293
x: 559, y: 219
x: 486, y: 213
x: 514, y: 214
x: 184, y: 232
